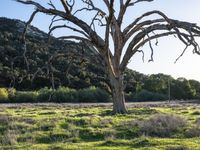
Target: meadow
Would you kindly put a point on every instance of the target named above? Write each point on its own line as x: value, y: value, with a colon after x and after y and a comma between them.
x: 94, y: 127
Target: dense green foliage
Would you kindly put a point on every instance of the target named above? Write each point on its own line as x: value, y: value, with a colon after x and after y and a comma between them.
x: 79, y: 68
x: 60, y: 95
x: 70, y: 69
x: 92, y: 127
x: 156, y: 87
x: 3, y: 94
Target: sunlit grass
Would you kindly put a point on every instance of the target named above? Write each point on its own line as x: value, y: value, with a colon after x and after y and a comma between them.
x: 57, y: 127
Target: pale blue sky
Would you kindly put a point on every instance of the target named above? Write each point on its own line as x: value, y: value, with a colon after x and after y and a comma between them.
x: 165, y: 54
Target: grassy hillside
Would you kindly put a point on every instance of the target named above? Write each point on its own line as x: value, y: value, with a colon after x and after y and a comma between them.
x: 60, y: 127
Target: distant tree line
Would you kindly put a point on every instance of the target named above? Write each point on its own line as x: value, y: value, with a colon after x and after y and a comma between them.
x: 156, y: 87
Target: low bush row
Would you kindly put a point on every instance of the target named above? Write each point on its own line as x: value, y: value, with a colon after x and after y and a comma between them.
x: 145, y: 95
x: 65, y: 94
x: 60, y: 95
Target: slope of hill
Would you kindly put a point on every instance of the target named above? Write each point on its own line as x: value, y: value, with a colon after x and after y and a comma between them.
x: 71, y: 64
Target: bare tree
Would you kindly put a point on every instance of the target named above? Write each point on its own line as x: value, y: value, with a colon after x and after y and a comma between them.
x: 115, y: 43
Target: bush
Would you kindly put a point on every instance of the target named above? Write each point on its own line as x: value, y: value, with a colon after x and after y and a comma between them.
x: 197, y: 121
x: 11, y: 93
x: 24, y: 96
x: 129, y: 96
x: 145, y: 95
x: 3, y: 95
x: 64, y: 94
x: 86, y: 95
x: 93, y: 94
x: 101, y: 95
x: 196, y: 113
x: 162, y: 125
x: 193, y: 132
x: 44, y: 95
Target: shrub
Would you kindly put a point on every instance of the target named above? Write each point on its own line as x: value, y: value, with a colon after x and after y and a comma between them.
x: 196, y: 113
x: 3, y: 94
x: 128, y: 130
x: 197, y: 121
x: 9, y: 138
x: 4, y: 119
x: 161, y: 125
x: 11, y: 92
x: 193, y: 132
x: 25, y: 96
x: 65, y: 94
x: 101, y: 95
x: 130, y: 96
x: 145, y: 95
x: 86, y: 95
x: 62, y: 94
x: 93, y: 94
x: 44, y: 95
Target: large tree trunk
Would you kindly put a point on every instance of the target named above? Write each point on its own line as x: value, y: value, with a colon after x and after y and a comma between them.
x: 118, y: 98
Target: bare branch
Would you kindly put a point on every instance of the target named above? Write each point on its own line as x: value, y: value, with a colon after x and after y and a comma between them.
x: 97, y: 40
x: 140, y: 26
x: 70, y: 5
x: 64, y: 3
x: 37, y: 5
x: 107, y: 3
x: 138, y: 1
x: 123, y: 8
x: 90, y: 7
x: 141, y: 51
x: 151, y: 47
x: 69, y: 27
x: 130, y: 26
x: 51, y: 4
x: 181, y: 54
x: 52, y: 21
x: 24, y: 37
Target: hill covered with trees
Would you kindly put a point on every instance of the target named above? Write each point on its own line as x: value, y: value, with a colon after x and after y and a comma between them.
x: 50, y: 62
x: 66, y: 61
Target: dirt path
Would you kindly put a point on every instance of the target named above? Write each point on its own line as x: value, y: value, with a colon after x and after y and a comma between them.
x: 129, y: 104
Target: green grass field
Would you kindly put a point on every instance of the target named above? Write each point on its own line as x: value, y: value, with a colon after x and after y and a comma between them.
x: 60, y: 127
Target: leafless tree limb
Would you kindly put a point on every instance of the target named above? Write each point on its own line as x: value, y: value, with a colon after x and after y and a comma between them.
x: 24, y: 37
x: 141, y: 51
x: 138, y: 1
x: 64, y: 3
x: 69, y: 27
x: 70, y: 4
x: 51, y: 4
x: 181, y: 54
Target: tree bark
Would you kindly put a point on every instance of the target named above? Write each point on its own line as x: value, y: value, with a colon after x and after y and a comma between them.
x: 118, y: 98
